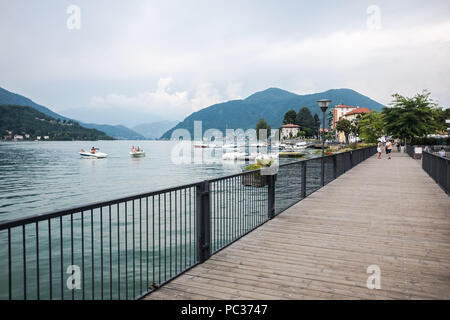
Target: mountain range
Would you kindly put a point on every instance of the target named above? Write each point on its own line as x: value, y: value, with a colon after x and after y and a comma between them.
x: 115, y: 131
x: 270, y: 104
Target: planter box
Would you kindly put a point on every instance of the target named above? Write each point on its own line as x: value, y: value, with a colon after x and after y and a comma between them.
x: 258, y: 180
x: 254, y: 179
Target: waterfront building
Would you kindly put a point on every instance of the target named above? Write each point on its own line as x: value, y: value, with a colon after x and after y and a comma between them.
x: 353, y: 116
x: 289, y: 131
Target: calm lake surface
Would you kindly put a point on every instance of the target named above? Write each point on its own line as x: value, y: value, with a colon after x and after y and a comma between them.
x: 41, y: 177
x: 122, y: 249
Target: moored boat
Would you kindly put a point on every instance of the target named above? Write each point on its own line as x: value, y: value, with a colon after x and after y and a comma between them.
x: 137, y: 154
x: 96, y: 155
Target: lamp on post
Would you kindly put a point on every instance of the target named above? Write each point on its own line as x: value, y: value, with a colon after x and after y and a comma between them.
x: 323, y: 104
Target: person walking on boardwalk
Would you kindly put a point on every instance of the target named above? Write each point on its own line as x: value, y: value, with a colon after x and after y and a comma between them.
x: 389, y: 149
x: 379, y: 149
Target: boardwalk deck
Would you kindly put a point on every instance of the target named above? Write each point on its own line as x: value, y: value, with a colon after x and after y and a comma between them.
x: 388, y: 213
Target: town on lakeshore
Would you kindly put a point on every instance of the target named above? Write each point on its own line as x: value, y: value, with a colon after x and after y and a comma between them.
x: 226, y: 156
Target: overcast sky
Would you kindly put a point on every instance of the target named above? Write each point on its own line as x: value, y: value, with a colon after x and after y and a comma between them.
x: 140, y: 61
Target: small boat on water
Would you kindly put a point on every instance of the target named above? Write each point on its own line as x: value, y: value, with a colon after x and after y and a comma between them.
x: 137, y: 154
x: 229, y: 146
x: 93, y: 155
x: 234, y: 155
x: 200, y: 145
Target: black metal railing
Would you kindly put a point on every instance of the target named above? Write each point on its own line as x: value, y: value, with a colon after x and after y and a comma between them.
x: 438, y: 168
x: 410, y: 150
x: 126, y: 248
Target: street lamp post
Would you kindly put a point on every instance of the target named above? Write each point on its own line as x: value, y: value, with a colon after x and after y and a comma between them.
x: 323, y: 104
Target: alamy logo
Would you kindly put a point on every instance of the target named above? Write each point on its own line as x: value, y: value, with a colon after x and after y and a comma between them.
x: 374, y: 19
x: 74, y: 20
x: 374, y: 280
x: 74, y: 280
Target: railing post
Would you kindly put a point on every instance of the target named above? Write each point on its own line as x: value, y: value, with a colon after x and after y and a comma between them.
x: 334, y: 167
x: 351, y: 159
x: 203, y: 222
x: 304, y: 179
x: 271, y: 197
x: 322, y: 173
x: 448, y: 177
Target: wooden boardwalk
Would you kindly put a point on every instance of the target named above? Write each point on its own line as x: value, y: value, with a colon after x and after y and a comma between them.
x: 388, y: 213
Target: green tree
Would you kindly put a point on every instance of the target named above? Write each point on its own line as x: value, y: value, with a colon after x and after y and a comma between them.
x: 440, y: 116
x: 289, y: 117
x: 411, y: 117
x: 316, y: 124
x: 261, y: 125
x: 371, y: 126
x: 345, y: 126
x: 306, y: 121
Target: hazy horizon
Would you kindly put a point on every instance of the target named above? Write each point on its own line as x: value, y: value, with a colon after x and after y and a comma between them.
x: 147, y: 61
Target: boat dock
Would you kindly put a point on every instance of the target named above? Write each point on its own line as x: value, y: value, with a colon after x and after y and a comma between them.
x: 384, y: 213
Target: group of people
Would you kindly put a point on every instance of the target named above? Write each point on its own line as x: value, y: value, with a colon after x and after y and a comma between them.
x: 134, y: 149
x: 92, y: 150
x: 388, y: 148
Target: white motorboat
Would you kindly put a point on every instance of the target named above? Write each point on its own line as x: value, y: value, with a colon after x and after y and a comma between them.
x: 137, y: 154
x: 96, y: 155
x: 229, y: 146
x: 234, y: 155
x: 200, y: 145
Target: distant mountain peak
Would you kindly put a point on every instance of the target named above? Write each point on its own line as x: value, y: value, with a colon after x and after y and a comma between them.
x: 271, y: 93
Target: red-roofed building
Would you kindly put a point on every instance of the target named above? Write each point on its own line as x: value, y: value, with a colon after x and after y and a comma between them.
x: 355, y: 112
x: 352, y: 116
x: 289, y: 131
x: 338, y: 112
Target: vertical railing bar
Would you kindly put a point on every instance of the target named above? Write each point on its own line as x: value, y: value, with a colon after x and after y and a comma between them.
x: 92, y: 252
x: 101, y: 252
x: 50, y: 258
x: 82, y: 256
x: 118, y: 252
x: 176, y: 233
x: 165, y: 239
x: 159, y: 238
x: 185, y: 228
x: 153, y: 240
x: 71, y: 249
x: 10, y: 266
x: 37, y: 263
x: 134, y: 252
x: 170, y: 234
x: 126, y: 250
x: 190, y: 226
x: 140, y: 242
x: 146, y: 230
x: 110, y: 255
x: 62, y: 256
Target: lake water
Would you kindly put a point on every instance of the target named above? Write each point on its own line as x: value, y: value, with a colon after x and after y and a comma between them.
x: 41, y: 177
x: 125, y: 247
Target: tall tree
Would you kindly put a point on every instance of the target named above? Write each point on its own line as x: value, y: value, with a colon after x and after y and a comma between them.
x: 289, y: 117
x: 306, y: 121
x: 316, y: 124
x: 345, y: 126
x: 371, y: 126
x: 411, y: 117
x: 261, y: 125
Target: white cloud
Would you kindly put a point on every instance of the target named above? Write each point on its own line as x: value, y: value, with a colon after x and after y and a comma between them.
x: 164, y: 100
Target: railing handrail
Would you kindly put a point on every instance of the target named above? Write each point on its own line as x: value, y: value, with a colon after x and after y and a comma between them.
x: 45, y: 216
x: 436, y: 155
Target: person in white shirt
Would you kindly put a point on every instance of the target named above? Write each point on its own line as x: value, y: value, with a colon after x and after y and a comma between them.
x: 442, y: 152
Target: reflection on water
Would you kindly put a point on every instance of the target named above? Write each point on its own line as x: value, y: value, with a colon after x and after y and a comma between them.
x: 40, y: 177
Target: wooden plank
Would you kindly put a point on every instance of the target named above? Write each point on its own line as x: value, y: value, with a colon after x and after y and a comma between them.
x: 388, y: 213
